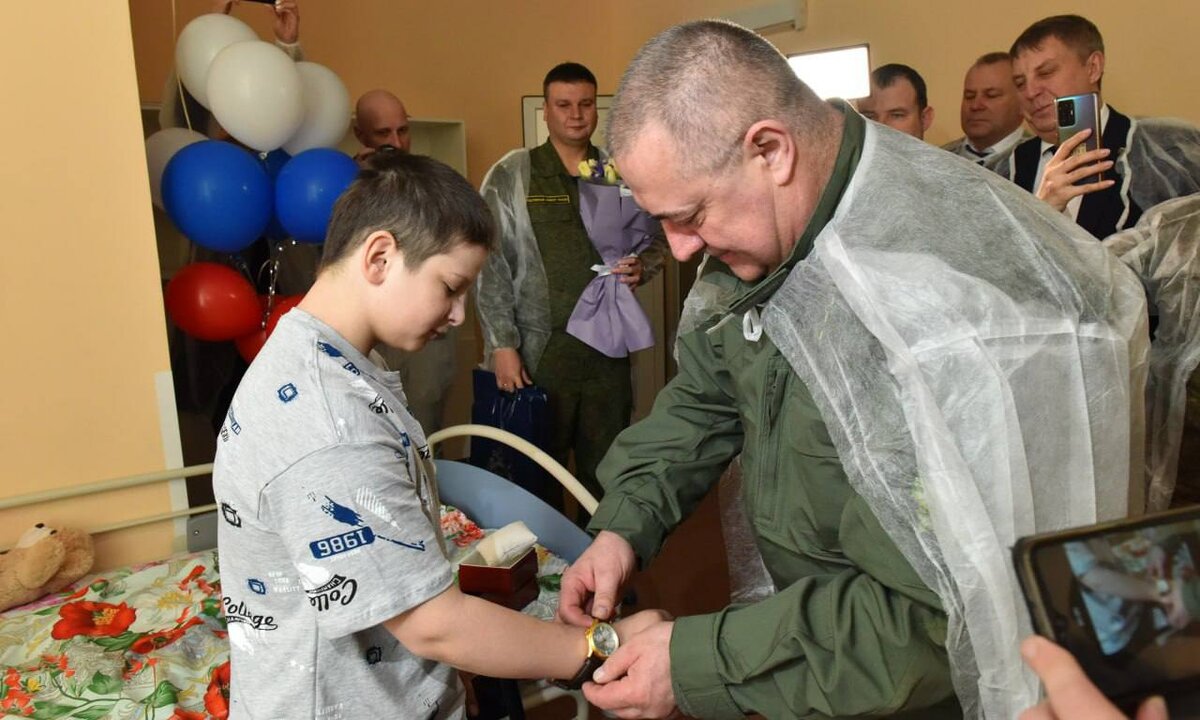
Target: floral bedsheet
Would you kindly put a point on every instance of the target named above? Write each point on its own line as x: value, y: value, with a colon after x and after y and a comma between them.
x: 149, y: 643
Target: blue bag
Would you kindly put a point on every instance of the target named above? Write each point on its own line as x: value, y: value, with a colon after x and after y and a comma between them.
x: 524, y: 413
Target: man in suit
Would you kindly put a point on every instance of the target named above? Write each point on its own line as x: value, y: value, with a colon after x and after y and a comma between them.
x: 990, y: 113
x: 1144, y: 162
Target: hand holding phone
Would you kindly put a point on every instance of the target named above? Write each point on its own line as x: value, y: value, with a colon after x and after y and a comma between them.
x: 1077, y: 113
x: 1067, y: 173
x: 1079, y: 164
x: 1069, y: 693
x: 1123, y: 598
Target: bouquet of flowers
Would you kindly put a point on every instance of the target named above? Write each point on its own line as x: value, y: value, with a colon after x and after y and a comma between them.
x: 602, y: 172
x: 608, y: 317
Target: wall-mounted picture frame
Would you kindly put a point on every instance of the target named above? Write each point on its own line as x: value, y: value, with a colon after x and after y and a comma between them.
x: 534, y: 125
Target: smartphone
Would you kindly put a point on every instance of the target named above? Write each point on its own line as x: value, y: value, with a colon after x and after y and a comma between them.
x: 1076, y: 113
x: 1117, y: 595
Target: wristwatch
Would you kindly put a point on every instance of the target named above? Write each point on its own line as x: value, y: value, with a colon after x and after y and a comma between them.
x: 602, y: 642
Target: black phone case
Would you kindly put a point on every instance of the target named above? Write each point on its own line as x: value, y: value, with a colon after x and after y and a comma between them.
x: 1061, y: 633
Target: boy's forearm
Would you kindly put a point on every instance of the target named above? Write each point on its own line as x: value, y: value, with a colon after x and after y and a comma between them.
x: 484, y: 638
x: 1101, y: 579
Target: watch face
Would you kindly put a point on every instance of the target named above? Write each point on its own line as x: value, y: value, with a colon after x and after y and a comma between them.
x: 604, y: 639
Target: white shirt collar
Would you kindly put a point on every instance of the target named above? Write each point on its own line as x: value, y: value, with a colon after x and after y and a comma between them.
x: 1002, y: 145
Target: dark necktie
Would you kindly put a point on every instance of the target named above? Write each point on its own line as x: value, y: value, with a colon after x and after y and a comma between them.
x: 980, y: 155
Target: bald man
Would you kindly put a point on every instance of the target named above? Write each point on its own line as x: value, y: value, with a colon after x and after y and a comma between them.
x: 380, y: 119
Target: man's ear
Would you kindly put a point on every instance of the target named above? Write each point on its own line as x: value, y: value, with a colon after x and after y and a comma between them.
x: 1095, y: 67
x: 926, y: 118
x: 772, y: 141
x: 379, y: 254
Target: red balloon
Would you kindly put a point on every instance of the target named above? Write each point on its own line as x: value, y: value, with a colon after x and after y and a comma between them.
x: 283, y: 303
x: 249, y: 345
x: 214, y: 302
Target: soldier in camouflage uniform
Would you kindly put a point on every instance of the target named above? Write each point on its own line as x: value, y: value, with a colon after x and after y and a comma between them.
x: 529, y: 288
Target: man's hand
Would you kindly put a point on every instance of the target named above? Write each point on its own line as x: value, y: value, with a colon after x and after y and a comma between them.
x: 636, y: 681
x: 510, y: 371
x: 630, y: 270
x: 1064, y: 169
x: 287, y: 18
x: 590, y: 585
x: 634, y: 624
x: 1069, y: 693
x: 361, y: 157
x: 287, y: 21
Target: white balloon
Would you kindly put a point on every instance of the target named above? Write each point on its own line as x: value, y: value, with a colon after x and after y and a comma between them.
x: 256, y: 94
x: 160, y: 148
x: 199, y: 44
x: 326, y: 109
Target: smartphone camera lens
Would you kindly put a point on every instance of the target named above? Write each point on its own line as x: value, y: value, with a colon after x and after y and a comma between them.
x: 1066, y: 113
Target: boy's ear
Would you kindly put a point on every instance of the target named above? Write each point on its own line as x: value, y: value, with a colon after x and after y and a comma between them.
x: 378, y: 252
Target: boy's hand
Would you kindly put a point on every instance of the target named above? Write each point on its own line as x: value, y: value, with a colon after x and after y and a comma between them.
x: 634, y: 624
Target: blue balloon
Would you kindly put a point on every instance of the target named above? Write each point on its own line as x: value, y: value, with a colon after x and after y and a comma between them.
x: 306, y: 189
x: 273, y: 162
x: 218, y: 195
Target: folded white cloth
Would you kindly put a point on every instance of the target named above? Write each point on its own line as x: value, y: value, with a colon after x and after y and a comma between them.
x: 506, y: 544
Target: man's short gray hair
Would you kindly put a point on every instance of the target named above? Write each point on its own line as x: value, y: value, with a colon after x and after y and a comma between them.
x: 706, y: 83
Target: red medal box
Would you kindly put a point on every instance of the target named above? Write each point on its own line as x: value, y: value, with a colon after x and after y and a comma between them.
x: 477, y: 578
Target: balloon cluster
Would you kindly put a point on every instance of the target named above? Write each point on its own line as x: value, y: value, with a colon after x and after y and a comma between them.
x: 224, y: 197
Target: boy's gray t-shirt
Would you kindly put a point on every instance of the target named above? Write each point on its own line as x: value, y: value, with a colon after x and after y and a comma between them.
x: 325, y: 534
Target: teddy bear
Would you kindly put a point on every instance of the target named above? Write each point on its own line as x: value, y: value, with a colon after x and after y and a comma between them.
x: 44, y: 560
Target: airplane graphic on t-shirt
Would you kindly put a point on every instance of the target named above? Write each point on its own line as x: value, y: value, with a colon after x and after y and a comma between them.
x: 351, y: 517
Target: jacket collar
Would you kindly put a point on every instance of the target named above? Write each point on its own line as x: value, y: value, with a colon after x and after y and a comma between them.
x: 544, y: 160
x: 844, y: 165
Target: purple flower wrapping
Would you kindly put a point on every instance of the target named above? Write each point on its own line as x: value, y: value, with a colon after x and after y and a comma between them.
x: 608, y: 317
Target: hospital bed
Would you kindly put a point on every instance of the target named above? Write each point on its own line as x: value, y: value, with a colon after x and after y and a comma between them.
x: 149, y: 641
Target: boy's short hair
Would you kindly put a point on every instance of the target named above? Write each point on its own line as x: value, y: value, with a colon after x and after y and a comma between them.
x: 1074, y: 31
x: 568, y: 72
x: 427, y: 206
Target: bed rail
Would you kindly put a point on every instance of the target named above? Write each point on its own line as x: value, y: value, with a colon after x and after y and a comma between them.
x: 102, y: 486
x: 538, y: 455
x: 541, y: 457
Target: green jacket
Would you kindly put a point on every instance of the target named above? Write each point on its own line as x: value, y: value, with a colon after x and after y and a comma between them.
x: 853, y: 630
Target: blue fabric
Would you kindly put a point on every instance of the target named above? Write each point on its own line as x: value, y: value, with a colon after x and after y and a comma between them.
x: 523, y: 413
x: 492, y: 502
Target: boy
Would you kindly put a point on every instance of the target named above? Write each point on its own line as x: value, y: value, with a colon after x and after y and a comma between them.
x: 339, y: 600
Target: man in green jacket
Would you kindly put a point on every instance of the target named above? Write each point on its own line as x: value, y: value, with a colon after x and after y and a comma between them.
x: 739, y: 160
x: 530, y: 286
